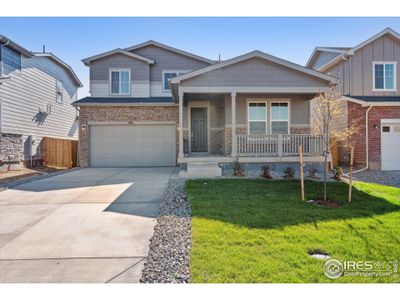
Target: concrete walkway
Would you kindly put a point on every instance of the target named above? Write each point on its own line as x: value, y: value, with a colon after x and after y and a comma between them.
x: 89, y: 225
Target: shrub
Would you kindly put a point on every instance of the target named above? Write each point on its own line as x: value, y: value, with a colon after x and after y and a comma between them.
x: 265, y: 172
x: 312, y: 173
x: 337, y: 172
x: 237, y: 168
x: 288, y: 173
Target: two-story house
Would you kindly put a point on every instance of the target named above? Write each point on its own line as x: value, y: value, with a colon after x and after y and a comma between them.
x: 155, y: 105
x: 370, y: 85
x: 36, y: 92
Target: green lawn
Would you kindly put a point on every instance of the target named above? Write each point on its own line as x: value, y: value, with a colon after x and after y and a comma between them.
x: 260, y: 231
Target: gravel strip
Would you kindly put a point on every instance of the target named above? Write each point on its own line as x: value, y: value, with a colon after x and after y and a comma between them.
x: 168, y: 258
x: 391, y: 178
x: 12, y: 184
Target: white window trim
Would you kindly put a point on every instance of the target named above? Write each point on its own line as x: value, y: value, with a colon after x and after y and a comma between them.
x: 270, y: 114
x: 129, y: 81
x: 170, y: 71
x: 249, y: 101
x: 62, y: 91
x: 395, y: 76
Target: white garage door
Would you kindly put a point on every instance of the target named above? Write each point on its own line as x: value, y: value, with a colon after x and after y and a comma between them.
x: 132, y: 145
x: 390, y: 145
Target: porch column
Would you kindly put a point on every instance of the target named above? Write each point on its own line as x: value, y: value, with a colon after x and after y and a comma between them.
x: 233, y: 126
x: 180, y: 154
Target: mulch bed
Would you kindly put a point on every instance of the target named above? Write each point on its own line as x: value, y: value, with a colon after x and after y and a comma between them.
x: 326, y: 203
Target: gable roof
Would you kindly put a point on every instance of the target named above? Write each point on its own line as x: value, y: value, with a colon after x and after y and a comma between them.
x: 169, y: 48
x: 88, y: 60
x: 13, y: 45
x: 318, y: 50
x: 67, y: 67
x: 254, y: 54
x: 347, y: 51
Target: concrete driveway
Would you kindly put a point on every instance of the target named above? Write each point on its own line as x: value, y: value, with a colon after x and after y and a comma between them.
x: 88, y: 225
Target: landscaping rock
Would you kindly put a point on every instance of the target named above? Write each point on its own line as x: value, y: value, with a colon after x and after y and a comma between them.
x: 168, y: 258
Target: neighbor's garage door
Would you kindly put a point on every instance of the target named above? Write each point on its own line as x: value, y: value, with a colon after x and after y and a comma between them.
x: 390, y: 145
x: 132, y: 145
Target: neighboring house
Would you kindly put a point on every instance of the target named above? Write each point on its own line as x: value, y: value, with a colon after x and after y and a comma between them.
x: 370, y: 85
x: 36, y: 92
x: 154, y: 105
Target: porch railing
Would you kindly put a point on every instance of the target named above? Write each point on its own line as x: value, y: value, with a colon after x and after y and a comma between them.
x: 279, y: 144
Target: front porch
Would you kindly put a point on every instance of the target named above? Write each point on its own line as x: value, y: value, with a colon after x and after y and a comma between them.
x: 253, y: 128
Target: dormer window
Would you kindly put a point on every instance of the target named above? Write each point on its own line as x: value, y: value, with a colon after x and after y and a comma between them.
x: 384, y: 76
x: 120, y: 81
x: 167, y: 75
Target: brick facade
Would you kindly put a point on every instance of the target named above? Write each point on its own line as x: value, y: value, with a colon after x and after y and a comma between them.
x: 356, y: 115
x: 130, y: 114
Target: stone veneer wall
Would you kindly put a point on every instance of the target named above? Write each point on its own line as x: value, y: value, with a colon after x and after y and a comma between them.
x: 10, y: 148
x: 130, y: 114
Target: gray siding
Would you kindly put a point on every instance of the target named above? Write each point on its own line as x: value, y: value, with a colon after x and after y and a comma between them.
x: 146, y: 80
x: 100, y: 69
x: 255, y: 72
x: 167, y: 60
x: 100, y: 75
x: 356, y: 74
x: 33, y: 88
x: 324, y: 57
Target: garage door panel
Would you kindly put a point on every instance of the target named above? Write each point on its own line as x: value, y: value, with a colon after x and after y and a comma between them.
x: 132, y: 145
x: 390, y: 139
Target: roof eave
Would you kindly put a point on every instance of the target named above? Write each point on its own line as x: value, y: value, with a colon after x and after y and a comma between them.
x: 16, y: 46
x: 182, y: 52
x: 63, y: 64
x: 87, y: 61
x: 253, y: 54
x: 366, y: 103
x: 387, y: 30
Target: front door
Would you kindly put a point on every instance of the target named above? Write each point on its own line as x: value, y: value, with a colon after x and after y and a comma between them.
x: 198, y: 123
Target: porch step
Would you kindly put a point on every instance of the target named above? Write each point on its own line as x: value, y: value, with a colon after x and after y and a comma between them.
x: 200, y: 169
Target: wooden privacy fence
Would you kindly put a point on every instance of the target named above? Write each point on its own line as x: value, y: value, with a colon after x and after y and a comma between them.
x: 335, y: 153
x: 60, y: 153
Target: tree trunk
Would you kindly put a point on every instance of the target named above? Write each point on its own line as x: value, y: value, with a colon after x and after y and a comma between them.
x: 325, y: 175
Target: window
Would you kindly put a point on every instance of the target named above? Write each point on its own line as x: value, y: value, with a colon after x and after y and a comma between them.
x: 167, y: 75
x: 279, y: 117
x: 257, y: 116
x: 11, y: 60
x: 59, y: 91
x: 384, y: 76
x: 120, y: 82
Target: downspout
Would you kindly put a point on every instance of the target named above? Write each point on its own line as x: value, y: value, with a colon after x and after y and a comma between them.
x: 366, y: 144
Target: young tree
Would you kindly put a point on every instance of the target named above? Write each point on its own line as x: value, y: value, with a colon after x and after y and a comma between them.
x: 329, y: 118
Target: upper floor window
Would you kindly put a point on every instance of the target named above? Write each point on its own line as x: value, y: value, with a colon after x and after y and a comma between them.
x: 120, y: 81
x: 384, y: 76
x: 279, y: 117
x: 257, y: 117
x: 167, y: 75
x: 59, y: 91
x: 11, y: 59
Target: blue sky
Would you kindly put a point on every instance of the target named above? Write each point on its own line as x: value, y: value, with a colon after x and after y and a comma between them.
x: 73, y: 39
